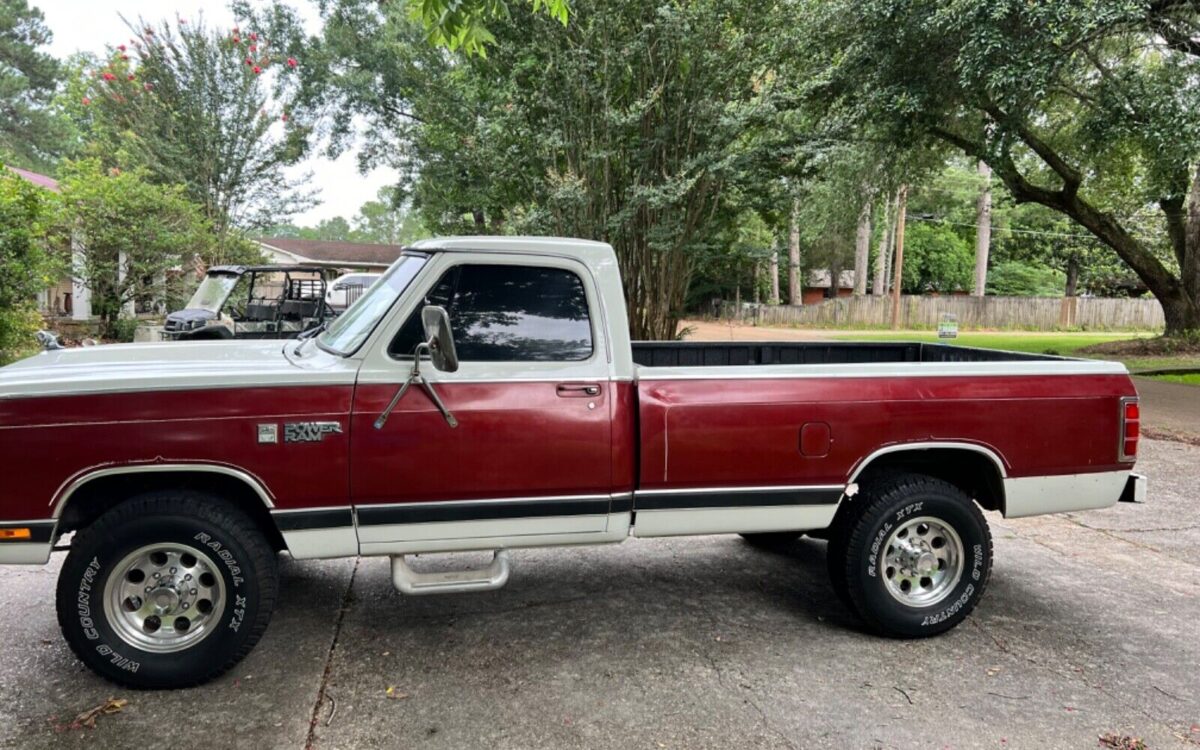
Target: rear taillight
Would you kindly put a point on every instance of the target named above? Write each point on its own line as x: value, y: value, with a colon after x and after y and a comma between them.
x: 1131, y: 428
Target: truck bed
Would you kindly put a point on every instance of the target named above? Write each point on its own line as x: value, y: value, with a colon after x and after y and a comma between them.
x: 747, y: 353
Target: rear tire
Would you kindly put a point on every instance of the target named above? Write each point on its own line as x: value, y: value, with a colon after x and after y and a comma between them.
x: 167, y: 590
x: 913, y: 556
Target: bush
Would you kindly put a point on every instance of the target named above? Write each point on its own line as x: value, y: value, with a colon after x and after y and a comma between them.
x: 936, y: 260
x: 122, y: 330
x: 17, y: 329
x: 1015, y: 279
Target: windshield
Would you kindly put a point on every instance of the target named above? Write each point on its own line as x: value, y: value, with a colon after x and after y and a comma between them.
x: 212, y: 292
x: 346, y: 333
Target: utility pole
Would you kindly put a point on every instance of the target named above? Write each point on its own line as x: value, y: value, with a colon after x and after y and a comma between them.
x: 901, y: 205
x: 983, y: 231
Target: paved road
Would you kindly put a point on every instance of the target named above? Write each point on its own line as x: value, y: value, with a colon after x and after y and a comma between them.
x: 1090, y: 626
x: 1171, y: 408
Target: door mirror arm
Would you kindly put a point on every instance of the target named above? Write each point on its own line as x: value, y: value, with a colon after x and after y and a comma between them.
x: 440, y: 348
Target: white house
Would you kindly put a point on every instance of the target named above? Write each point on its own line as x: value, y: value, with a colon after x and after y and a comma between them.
x: 336, y: 256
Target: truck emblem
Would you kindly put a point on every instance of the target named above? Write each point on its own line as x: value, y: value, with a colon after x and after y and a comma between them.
x: 309, y: 432
x: 268, y: 433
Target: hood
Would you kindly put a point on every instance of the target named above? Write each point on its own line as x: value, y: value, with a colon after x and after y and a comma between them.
x: 111, y: 368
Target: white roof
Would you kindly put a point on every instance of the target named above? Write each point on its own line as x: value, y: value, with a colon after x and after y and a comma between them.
x: 586, y: 250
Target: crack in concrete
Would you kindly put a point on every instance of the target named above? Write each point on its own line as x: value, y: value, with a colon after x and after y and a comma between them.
x: 311, y: 739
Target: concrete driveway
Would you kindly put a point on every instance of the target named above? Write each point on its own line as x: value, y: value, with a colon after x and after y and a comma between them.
x: 1091, y: 626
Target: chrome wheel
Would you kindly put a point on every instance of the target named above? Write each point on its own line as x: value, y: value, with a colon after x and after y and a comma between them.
x: 922, y: 562
x: 164, y: 597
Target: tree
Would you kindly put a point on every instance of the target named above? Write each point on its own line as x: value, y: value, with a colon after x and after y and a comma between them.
x: 29, y: 136
x: 1016, y: 279
x: 386, y: 222
x: 29, y: 261
x: 461, y: 24
x: 128, y: 233
x: 636, y: 127
x: 1087, y: 108
x: 203, y: 108
x: 936, y: 260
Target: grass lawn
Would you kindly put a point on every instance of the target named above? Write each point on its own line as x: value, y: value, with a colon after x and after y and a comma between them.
x: 1064, y: 344
x: 1192, y: 378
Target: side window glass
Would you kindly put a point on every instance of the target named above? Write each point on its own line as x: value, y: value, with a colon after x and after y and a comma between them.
x: 503, y: 313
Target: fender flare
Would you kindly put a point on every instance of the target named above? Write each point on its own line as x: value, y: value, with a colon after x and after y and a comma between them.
x: 72, y: 485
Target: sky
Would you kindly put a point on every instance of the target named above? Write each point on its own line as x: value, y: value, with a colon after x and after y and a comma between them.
x: 88, y: 25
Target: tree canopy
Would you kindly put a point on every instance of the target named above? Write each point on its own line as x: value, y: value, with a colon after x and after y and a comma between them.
x: 29, y: 135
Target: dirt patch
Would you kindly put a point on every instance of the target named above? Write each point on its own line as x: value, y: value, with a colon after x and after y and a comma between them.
x: 1160, y: 346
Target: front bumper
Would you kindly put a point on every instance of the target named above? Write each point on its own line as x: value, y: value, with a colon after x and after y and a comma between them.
x: 1135, y: 489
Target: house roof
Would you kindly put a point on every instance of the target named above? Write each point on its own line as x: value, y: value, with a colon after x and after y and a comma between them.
x: 40, y: 180
x: 819, y: 278
x: 326, y: 253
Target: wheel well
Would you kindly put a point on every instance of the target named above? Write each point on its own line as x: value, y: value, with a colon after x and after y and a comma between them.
x: 971, y: 471
x: 91, y: 500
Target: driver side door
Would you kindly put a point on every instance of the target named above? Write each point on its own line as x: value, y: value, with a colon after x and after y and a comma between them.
x: 531, y: 458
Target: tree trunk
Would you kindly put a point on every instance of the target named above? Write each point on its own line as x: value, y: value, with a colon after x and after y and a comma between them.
x: 774, y: 277
x: 901, y: 207
x: 879, y: 285
x: 983, y: 231
x: 1072, y: 276
x: 794, y: 256
x: 862, y: 249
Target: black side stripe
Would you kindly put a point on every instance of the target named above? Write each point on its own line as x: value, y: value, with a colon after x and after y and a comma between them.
x: 480, y: 511
x: 40, y: 532
x: 302, y: 520
x: 735, y: 498
x: 420, y: 512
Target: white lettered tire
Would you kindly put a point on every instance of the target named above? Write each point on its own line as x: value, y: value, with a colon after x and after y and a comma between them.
x: 167, y: 590
x: 915, y: 558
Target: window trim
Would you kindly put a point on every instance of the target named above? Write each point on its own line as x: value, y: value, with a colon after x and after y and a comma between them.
x: 590, y: 292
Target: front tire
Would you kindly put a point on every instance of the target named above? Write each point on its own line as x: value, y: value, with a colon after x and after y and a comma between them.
x: 167, y: 590
x: 914, y: 558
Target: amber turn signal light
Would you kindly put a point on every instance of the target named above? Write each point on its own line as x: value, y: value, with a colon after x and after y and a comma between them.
x: 15, y: 534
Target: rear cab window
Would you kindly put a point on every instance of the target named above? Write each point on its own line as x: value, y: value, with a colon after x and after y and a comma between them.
x: 508, y: 313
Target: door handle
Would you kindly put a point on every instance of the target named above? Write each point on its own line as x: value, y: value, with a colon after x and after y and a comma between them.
x: 578, y: 390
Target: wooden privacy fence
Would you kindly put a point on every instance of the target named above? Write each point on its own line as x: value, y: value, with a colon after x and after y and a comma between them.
x: 919, y: 311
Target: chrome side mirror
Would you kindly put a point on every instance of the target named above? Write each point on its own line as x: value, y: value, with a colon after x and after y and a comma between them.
x: 440, y: 338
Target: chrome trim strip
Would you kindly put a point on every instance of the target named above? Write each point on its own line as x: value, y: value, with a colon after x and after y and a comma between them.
x: 740, y: 490
x: 926, y: 445
x: 68, y: 488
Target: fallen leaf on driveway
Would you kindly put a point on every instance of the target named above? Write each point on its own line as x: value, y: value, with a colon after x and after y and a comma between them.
x: 395, y: 694
x: 88, y: 717
x: 1121, y: 742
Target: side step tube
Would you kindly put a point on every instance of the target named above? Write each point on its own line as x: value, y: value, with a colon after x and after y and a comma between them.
x: 409, y: 581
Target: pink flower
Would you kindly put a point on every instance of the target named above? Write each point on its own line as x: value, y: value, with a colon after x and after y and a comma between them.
x: 249, y: 61
x: 284, y: 117
x: 109, y: 77
x: 121, y: 47
x: 257, y: 70
x: 237, y: 40
x: 124, y: 57
x: 292, y: 62
x: 131, y: 76
x: 235, y: 31
x: 87, y: 101
x: 147, y: 86
x: 254, y: 48
x: 253, y: 37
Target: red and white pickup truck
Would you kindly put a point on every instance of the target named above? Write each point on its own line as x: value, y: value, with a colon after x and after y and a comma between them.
x: 485, y: 395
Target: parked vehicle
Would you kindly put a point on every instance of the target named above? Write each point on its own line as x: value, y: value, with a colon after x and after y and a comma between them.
x: 345, y: 290
x: 485, y: 395
x: 252, y: 302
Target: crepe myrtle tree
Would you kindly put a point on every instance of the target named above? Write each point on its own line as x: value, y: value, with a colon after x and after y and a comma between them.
x: 1090, y: 108
x: 207, y: 108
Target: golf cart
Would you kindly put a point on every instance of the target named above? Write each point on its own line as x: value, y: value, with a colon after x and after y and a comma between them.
x: 252, y: 302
